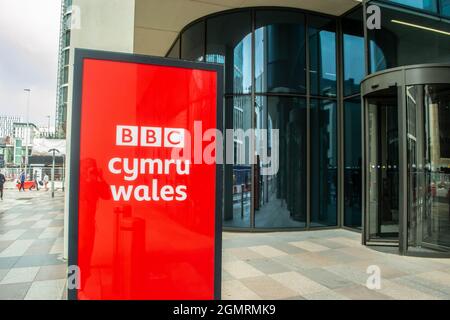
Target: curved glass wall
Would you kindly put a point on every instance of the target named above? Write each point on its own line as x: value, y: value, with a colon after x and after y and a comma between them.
x: 280, y: 74
x: 428, y: 109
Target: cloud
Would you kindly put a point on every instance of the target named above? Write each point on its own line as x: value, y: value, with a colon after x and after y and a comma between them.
x: 29, y: 43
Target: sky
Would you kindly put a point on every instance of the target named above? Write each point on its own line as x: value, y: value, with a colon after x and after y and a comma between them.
x: 29, y: 38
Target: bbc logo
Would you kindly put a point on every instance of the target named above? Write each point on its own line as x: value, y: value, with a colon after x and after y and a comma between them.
x: 150, y: 137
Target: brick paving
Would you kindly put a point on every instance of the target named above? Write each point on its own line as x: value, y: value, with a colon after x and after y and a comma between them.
x: 327, y: 264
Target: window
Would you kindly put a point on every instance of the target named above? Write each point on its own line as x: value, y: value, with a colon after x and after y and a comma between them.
x: 175, y: 50
x: 445, y: 8
x: 238, y: 176
x: 229, y: 41
x: 401, y: 35
x: 353, y: 52
x: 353, y: 163
x: 193, y: 42
x: 280, y: 196
x: 280, y: 52
x: 322, y: 52
x: 427, y: 5
x: 323, y: 163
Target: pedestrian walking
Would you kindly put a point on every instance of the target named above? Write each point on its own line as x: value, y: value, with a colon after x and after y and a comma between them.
x: 22, y: 181
x: 2, y: 183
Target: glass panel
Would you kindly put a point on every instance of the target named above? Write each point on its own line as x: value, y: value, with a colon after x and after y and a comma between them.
x: 353, y: 161
x: 428, y: 5
x: 229, y: 41
x: 193, y: 42
x: 280, y: 57
x: 353, y: 51
x: 280, y: 198
x: 322, y: 50
x: 429, y: 165
x: 407, y: 39
x: 323, y: 163
x: 238, y: 115
x: 175, y: 51
x: 445, y: 8
x: 383, y: 161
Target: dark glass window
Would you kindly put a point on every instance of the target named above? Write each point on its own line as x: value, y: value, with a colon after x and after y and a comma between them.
x: 66, y: 39
x: 353, y: 52
x: 238, y: 116
x: 323, y: 163
x: 353, y: 162
x: 407, y: 39
x: 229, y: 41
x: 175, y: 50
x: 428, y: 5
x: 322, y: 52
x: 65, y: 75
x: 445, y: 8
x: 193, y: 42
x: 280, y: 52
x: 66, y: 56
x: 280, y: 188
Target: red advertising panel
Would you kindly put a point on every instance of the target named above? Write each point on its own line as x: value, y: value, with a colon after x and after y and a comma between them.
x: 144, y: 216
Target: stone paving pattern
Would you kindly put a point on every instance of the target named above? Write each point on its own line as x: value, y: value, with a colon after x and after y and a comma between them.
x: 327, y: 264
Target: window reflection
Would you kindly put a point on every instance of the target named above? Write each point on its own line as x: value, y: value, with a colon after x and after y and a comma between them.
x: 429, y: 173
x: 193, y: 42
x: 280, y: 56
x: 280, y: 199
x: 394, y: 43
x: 323, y: 163
x: 238, y: 116
x: 322, y: 49
x: 229, y: 41
x: 445, y: 8
x: 353, y: 162
x: 428, y: 5
x: 353, y: 50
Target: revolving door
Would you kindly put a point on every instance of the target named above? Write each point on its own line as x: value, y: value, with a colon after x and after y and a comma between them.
x: 406, y: 120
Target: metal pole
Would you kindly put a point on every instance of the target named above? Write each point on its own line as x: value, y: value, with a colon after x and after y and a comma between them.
x: 48, y: 127
x: 242, y: 201
x: 27, y: 131
x: 53, y: 175
x: 63, y: 176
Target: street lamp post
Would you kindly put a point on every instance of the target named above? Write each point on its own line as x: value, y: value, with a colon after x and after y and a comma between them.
x: 53, y: 151
x: 27, y: 130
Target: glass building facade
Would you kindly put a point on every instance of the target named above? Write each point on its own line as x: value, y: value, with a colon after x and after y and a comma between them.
x: 301, y: 72
x: 63, y: 69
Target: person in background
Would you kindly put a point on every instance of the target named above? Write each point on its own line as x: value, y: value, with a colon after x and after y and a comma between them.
x: 22, y: 181
x: 46, y: 182
x: 2, y: 183
x: 36, y: 182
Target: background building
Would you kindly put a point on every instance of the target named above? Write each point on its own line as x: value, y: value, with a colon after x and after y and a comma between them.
x: 63, y: 68
x: 7, y: 125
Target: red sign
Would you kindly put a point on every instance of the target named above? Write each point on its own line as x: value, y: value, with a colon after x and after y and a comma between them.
x: 143, y: 224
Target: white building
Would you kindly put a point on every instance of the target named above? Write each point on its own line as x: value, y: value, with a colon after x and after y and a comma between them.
x: 25, y: 132
x: 7, y: 125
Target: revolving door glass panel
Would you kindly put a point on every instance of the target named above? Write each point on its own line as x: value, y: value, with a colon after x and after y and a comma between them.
x: 428, y: 112
x: 383, y: 165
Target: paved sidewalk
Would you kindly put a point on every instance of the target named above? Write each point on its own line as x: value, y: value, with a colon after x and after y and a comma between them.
x: 31, y: 245
x: 328, y: 264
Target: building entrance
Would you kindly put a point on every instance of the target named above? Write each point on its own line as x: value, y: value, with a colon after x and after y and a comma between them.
x: 407, y: 158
